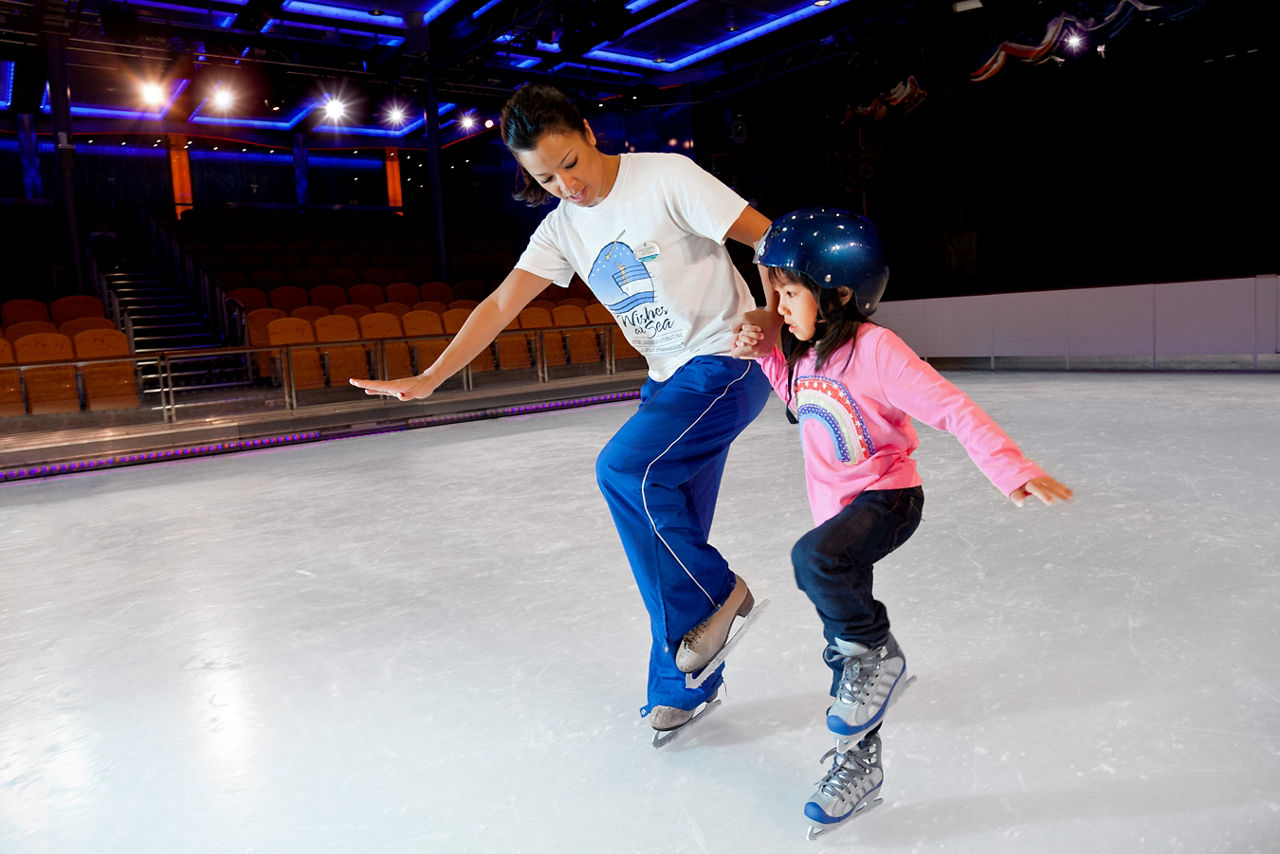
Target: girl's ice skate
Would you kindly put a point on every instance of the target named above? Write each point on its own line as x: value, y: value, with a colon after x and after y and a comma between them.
x: 701, y: 643
x: 668, y: 721
x: 849, y: 789
x: 872, y: 680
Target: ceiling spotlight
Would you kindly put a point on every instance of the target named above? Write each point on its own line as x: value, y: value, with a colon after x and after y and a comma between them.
x: 488, y: 123
x: 1074, y: 41
x: 152, y: 94
x: 222, y: 98
x: 334, y: 109
x: 822, y: 2
x: 396, y: 115
x: 468, y: 122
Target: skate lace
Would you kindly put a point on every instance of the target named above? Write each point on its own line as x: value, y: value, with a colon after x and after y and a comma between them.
x: 694, y: 635
x: 857, y: 674
x: 847, y: 769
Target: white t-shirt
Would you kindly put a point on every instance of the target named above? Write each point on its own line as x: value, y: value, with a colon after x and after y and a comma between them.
x: 653, y: 253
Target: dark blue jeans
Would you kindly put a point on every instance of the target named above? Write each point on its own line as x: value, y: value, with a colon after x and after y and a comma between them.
x: 834, y: 563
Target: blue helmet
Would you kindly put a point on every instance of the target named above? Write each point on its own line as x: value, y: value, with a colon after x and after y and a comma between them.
x: 835, y: 248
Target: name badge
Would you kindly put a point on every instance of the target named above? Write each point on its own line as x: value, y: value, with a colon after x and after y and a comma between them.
x: 647, y: 251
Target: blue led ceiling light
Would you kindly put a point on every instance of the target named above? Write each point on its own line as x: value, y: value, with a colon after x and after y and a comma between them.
x: 222, y: 21
x: 291, y: 121
x: 374, y: 131
x: 179, y: 87
x: 380, y: 38
x: 287, y: 123
x: 732, y: 41
x: 516, y: 60
x: 340, y: 13
x: 6, y: 83
x: 597, y: 68
x: 507, y: 38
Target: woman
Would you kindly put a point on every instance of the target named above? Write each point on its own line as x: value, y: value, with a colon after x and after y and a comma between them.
x: 646, y: 232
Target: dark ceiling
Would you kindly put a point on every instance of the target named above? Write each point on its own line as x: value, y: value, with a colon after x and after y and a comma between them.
x: 283, y: 58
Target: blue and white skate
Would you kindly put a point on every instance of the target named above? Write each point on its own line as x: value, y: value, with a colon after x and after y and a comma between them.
x: 849, y: 789
x: 872, y: 681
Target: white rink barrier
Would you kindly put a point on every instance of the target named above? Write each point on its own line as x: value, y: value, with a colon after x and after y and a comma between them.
x: 1221, y: 324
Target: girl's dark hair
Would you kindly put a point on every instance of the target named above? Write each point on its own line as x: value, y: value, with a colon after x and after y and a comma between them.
x: 533, y: 111
x: 836, y: 323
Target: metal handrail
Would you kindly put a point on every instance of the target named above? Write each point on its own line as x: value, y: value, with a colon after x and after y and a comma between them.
x: 166, y: 360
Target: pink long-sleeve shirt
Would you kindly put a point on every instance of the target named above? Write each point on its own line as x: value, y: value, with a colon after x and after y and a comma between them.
x: 855, y: 421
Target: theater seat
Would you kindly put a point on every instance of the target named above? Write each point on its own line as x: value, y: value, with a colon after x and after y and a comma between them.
x: 303, y: 361
x: 423, y: 322
x: 27, y: 327
x: 79, y: 324
x: 10, y: 383
x: 256, y: 325
x: 109, y: 385
x: 380, y: 324
x: 76, y: 305
x: 19, y: 310
x: 584, y: 345
x: 622, y: 349
x: 344, y: 361
x: 534, y: 319
x: 405, y: 292
x: 51, y: 389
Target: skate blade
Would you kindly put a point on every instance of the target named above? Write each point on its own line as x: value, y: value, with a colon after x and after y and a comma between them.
x: 692, y: 680
x: 901, y: 689
x: 816, y: 830
x: 661, y: 738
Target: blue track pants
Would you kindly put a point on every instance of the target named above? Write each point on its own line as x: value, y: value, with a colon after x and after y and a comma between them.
x: 660, y: 475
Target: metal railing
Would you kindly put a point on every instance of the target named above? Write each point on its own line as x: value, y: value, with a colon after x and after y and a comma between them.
x: 278, y: 387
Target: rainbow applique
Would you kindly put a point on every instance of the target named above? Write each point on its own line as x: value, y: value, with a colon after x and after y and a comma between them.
x: 829, y: 403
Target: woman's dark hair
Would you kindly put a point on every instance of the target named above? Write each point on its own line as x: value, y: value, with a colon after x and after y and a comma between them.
x: 836, y: 323
x: 533, y: 111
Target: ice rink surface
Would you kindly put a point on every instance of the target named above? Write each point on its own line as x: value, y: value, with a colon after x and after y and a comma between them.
x: 430, y: 642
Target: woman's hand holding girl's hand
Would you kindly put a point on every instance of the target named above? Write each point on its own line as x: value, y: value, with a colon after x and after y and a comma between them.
x: 1045, y: 488
x: 746, y: 339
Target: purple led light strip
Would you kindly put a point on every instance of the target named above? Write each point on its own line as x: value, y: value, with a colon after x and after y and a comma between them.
x: 233, y: 446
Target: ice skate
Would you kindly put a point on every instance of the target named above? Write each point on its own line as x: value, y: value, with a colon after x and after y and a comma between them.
x: 849, y: 789
x: 872, y: 680
x: 703, y: 641
x: 693, y: 680
x: 668, y: 721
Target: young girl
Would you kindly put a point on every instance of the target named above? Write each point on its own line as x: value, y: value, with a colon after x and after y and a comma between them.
x: 646, y: 232
x: 854, y: 388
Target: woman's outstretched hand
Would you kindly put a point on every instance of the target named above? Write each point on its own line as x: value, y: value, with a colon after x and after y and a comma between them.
x: 408, y: 388
x: 1045, y: 488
